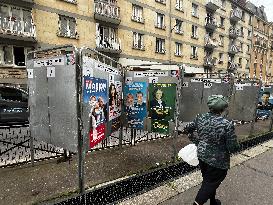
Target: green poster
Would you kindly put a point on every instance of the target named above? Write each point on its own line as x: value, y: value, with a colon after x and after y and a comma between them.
x: 161, y: 105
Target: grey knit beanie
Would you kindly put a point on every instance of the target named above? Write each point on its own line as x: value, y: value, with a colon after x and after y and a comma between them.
x: 217, y: 102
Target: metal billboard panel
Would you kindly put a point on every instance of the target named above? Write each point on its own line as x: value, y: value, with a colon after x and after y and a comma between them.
x: 191, y: 100
x: 213, y: 89
x: 243, y: 103
x: 62, y: 93
x: 53, y: 96
x: 38, y: 104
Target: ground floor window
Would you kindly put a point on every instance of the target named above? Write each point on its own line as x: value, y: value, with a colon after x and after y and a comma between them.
x: 13, y: 55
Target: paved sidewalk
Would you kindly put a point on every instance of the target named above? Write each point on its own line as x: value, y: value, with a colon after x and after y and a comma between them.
x: 249, y: 182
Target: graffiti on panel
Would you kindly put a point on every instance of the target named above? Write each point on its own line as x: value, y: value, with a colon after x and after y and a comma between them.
x: 95, y: 95
x: 136, y: 104
x: 161, y: 105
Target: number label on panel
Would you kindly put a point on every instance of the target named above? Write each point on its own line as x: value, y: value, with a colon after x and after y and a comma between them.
x: 30, y: 73
x: 185, y: 84
x: 51, y: 72
x: 207, y: 85
x: 239, y: 87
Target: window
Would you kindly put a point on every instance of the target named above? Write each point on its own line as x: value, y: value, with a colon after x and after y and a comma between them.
x: 107, y: 37
x: 221, y: 40
x: 178, y: 49
x: 258, y: 23
x: 242, y: 31
x: 160, y: 21
x: 13, y: 55
x: 243, y: 16
x: 194, y: 52
x: 67, y: 27
x: 194, y: 31
x: 222, y: 22
x: 248, y: 48
x: 160, y: 45
x: 249, y: 33
x: 194, y: 10
x: 241, y: 47
x: 221, y: 58
x: 179, y: 5
x: 240, y: 62
x: 178, y: 27
x: 161, y: 1
x: 138, y: 42
x: 137, y: 14
x: 250, y: 20
x: 16, y: 21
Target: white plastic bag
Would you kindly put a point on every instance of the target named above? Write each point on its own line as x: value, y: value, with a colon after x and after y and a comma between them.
x: 189, y: 154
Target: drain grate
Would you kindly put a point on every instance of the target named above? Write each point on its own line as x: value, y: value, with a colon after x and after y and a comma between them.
x: 141, y: 183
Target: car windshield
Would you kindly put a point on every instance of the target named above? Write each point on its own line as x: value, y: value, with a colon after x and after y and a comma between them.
x: 8, y: 93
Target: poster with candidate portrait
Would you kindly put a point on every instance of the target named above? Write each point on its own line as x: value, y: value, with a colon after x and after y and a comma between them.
x: 136, y: 104
x: 115, y: 99
x: 95, y: 95
x: 162, y: 98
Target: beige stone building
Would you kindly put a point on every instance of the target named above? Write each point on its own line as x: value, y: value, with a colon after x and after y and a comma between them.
x: 204, y: 35
x: 259, y: 67
x: 270, y: 54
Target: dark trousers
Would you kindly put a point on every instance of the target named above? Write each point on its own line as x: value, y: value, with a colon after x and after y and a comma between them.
x: 212, y: 178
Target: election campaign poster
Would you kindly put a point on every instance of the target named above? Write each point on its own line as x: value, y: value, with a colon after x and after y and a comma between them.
x: 161, y: 105
x: 136, y: 104
x: 95, y: 95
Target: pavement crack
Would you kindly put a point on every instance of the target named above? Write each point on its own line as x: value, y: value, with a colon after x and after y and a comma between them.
x: 259, y: 171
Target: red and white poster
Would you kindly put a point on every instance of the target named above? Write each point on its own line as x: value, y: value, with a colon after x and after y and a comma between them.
x: 97, y: 135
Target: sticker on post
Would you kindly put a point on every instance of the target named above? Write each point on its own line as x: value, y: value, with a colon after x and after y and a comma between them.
x: 207, y: 85
x: 128, y: 80
x: 153, y: 79
x: 111, y: 79
x: 50, y: 72
x: 30, y: 73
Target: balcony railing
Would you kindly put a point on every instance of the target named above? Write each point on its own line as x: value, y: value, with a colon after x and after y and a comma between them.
x: 107, y: 43
x: 138, y: 46
x: 107, y: 10
x: 234, y: 49
x: 213, y: 4
x: 17, y: 28
x: 209, y: 61
x: 236, y: 14
x: 210, y: 42
x: 232, y: 66
x: 210, y: 23
x: 139, y: 19
x: 160, y: 26
x: 234, y: 32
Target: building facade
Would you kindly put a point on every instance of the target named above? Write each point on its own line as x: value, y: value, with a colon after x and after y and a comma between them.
x: 17, y: 37
x: 204, y: 35
x: 269, y: 66
x: 260, y: 43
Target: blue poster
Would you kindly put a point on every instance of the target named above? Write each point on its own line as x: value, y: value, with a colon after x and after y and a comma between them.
x: 95, y: 94
x: 136, y: 104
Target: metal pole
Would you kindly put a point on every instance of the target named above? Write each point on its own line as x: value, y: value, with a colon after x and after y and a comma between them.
x: 176, y: 115
x: 31, y: 150
x: 81, y: 150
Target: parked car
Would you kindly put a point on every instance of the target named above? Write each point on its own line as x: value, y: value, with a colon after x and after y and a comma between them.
x: 13, y: 105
